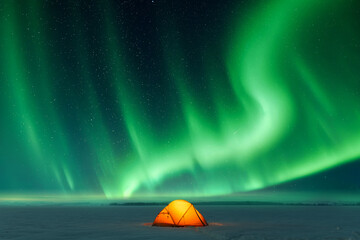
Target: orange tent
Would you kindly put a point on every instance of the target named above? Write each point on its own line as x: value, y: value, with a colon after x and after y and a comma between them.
x: 179, y: 213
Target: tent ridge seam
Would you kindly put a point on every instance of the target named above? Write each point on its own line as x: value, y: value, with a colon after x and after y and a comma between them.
x: 184, y: 214
x: 172, y: 219
x: 200, y: 218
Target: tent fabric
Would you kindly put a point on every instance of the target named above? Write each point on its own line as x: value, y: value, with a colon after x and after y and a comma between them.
x: 179, y: 213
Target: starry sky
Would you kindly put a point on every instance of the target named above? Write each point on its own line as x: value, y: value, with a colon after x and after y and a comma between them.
x: 179, y: 98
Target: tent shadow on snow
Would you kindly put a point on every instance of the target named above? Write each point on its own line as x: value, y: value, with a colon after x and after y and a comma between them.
x: 179, y: 213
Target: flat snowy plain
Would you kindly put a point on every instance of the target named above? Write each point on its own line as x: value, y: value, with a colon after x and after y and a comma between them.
x: 134, y: 222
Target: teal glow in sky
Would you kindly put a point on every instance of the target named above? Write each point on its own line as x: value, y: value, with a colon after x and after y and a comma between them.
x: 148, y: 98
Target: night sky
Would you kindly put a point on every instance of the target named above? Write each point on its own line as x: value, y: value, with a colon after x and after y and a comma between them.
x: 179, y: 98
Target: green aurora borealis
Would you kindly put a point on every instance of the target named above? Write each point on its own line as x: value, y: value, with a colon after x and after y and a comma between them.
x: 144, y: 98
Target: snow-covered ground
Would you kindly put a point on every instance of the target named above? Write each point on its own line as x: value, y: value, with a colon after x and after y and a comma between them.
x: 134, y: 222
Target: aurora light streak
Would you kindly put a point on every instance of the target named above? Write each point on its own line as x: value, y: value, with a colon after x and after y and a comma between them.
x: 146, y: 97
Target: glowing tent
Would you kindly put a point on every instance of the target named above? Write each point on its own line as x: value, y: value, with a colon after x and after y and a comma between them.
x: 180, y: 213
